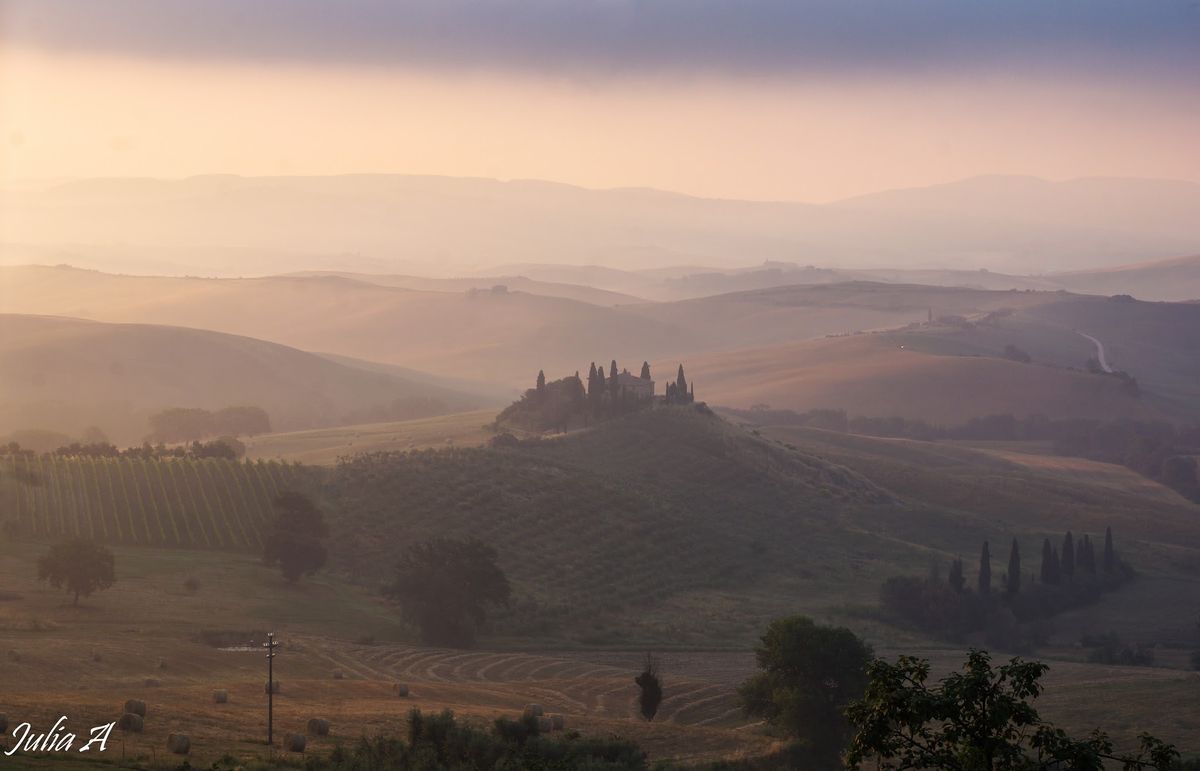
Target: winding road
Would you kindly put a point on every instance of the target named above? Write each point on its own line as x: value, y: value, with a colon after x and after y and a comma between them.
x: 1099, y: 351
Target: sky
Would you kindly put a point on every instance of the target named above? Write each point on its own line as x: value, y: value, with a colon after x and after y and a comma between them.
x: 809, y: 100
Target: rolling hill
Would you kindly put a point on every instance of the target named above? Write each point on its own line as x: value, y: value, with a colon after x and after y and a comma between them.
x: 66, y: 374
x: 579, y: 292
x: 1174, y: 280
x: 230, y: 225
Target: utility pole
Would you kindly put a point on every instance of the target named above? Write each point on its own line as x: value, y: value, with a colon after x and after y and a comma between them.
x: 270, y: 645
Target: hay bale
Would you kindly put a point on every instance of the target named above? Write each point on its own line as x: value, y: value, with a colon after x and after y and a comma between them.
x: 557, y: 722
x: 402, y: 690
x: 534, y: 710
x: 545, y: 725
x: 295, y: 743
x: 220, y: 697
x: 136, y: 706
x: 318, y: 727
x: 151, y: 682
x: 179, y: 744
x: 273, y: 687
x: 337, y: 674
x: 131, y: 721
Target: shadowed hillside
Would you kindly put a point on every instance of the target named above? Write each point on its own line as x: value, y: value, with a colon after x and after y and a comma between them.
x: 67, y: 374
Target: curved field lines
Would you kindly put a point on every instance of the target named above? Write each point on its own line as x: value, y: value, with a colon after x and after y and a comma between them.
x: 570, y: 684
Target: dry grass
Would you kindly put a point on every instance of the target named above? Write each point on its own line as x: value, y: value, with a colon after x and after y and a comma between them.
x: 322, y: 447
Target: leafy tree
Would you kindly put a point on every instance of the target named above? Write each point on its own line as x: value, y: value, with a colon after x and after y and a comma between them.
x: 1012, y: 583
x: 957, y: 580
x: 1068, y: 556
x: 295, y: 542
x: 985, y: 570
x: 651, y: 688
x: 79, y: 565
x: 974, y: 720
x: 444, y: 586
x: 809, y: 672
x: 645, y: 370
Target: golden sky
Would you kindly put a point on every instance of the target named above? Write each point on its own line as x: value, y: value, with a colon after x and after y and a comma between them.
x: 763, y: 133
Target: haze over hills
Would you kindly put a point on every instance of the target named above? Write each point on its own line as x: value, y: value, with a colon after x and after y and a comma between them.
x: 64, y: 374
x: 229, y: 225
x: 1173, y: 280
x: 745, y: 347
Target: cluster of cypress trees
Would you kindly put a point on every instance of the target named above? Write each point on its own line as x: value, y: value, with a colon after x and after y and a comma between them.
x: 1059, y: 566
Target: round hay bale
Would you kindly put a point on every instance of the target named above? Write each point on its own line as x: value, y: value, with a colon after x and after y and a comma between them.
x: 179, y: 744
x: 220, y: 697
x: 273, y: 687
x: 136, y: 706
x: 534, y: 710
x: 545, y: 725
x: 337, y: 674
x: 318, y: 727
x: 3, y: 724
x: 557, y: 722
x: 295, y: 743
x: 151, y: 682
x: 131, y: 721
x: 401, y: 690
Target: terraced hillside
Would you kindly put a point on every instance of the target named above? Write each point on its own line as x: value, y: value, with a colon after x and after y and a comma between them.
x: 209, y: 503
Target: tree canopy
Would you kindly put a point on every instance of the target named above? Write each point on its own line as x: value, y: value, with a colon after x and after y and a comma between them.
x: 808, y: 673
x: 974, y: 720
x: 295, y: 542
x: 81, y: 566
x: 445, y: 586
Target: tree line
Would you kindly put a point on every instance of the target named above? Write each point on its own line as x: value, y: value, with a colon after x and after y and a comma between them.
x: 1013, y: 612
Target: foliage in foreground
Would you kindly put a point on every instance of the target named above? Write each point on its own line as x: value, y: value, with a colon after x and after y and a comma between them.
x: 438, y: 742
x: 977, y: 719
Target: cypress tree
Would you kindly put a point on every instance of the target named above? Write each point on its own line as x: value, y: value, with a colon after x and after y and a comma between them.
x: 645, y: 370
x: 1014, y: 569
x: 1089, y: 556
x: 957, y: 579
x: 592, y: 380
x: 1110, y: 556
x: 541, y: 381
x: 680, y: 381
x: 1068, y: 557
x: 1047, y: 563
x: 612, y: 373
x: 1055, y: 566
x: 985, y: 570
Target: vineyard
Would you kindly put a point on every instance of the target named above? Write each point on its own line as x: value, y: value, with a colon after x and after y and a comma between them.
x: 175, y: 502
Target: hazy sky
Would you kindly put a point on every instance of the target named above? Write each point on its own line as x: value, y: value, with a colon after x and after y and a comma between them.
x: 755, y: 98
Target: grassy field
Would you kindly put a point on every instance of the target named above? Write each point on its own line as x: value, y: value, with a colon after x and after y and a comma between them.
x: 323, y: 446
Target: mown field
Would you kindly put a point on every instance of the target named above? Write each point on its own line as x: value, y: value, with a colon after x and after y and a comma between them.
x: 209, y: 503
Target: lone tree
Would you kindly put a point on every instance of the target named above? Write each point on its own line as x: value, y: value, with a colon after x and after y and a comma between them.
x: 79, y: 565
x: 651, y: 688
x: 809, y: 672
x: 979, y: 718
x: 444, y: 586
x: 985, y: 571
x: 1012, y: 584
x: 295, y: 542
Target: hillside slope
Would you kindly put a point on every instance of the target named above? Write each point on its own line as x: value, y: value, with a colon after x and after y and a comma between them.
x: 1174, y: 279
x: 66, y: 374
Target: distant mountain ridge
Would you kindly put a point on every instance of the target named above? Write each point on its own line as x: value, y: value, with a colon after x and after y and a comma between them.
x: 228, y: 225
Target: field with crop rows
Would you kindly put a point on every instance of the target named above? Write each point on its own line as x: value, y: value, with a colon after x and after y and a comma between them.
x: 210, y: 503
